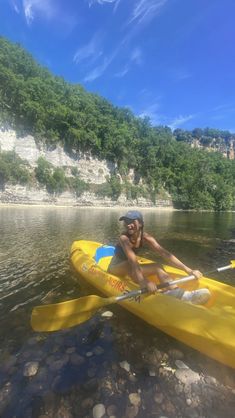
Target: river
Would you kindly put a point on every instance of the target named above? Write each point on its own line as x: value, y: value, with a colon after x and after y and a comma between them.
x: 75, y: 370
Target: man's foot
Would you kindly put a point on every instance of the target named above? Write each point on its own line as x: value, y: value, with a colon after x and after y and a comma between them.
x: 197, y: 297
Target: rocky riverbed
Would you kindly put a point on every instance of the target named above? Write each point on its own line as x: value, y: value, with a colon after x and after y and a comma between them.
x: 103, y: 370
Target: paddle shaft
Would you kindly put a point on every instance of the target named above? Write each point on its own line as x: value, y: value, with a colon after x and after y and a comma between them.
x: 139, y: 292
x: 167, y: 284
x: 191, y: 277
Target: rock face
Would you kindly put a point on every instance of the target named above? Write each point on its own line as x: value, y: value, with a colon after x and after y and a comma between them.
x: 91, y: 170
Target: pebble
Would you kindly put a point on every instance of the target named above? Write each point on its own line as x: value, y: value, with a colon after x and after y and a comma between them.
x: 98, y: 410
x: 155, y: 357
x: 135, y: 399
x: 31, y: 368
x: 76, y: 359
x: 187, y: 376
x: 124, y: 365
x: 211, y: 380
x: 107, y: 314
x: 131, y: 411
x: 89, y: 354
x: 87, y: 403
x: 158, y: 398
x: 111, y: 410
x: 152, y: 372
x: 70, y: 350
x: 58, y: 364
x: 169, y: 408
x: 181, y: 365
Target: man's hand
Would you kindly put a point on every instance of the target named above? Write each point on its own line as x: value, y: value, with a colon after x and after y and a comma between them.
x: 152, y: 287
x: 196, y: 273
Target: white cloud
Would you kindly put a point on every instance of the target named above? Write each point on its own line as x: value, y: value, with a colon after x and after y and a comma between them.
x: 157, y: 118
x: 116, y: 5
x: 38, y: 7
x: 91, y: 51
x: 180, y: 120
x: 100, y: 69
x: 135, y: 58
x: 49, y: 10
x: 152, y: 112
x: 15, y: 6
x: 123, y: 72
x: 179, y: 74
x: 228, y: 108
x: 145, y: 10
x: 101, y: 2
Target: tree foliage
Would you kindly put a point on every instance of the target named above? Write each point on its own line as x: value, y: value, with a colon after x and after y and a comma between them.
x: 13, y: 169
x: 34, y: 101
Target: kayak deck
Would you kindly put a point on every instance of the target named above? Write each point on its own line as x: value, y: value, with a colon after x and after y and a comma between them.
x: 209, y: 328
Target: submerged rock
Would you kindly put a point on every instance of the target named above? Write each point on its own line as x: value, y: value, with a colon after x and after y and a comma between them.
x: 181, y: 365
x: 187, y: 376
x: 31, y: 368
x: 98, y: 410
x: 107, y: 314
x: 132, y: 411
x: 135, y: 399
x: 124, y: 365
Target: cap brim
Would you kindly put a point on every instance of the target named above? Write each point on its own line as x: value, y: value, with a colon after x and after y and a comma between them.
x: 124, y: 218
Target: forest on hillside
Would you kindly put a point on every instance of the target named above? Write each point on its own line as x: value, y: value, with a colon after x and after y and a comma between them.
x: 32, y: 100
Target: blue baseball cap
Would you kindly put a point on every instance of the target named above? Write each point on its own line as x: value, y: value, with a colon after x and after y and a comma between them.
x: 132, y: 214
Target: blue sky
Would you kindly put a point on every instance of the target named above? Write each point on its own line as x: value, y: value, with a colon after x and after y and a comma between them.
x: 171, y: 60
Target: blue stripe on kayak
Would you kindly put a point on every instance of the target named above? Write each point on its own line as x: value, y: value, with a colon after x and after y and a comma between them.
x: 105, y: 251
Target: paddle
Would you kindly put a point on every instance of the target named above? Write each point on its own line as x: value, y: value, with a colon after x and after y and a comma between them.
x: 67, y: 314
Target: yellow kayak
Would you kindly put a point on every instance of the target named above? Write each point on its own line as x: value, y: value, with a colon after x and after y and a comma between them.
x: 209, y: 329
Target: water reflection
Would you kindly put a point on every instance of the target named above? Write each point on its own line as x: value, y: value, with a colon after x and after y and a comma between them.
x: 35, y: 244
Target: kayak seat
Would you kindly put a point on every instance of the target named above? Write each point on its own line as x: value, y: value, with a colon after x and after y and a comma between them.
x: 104, y: 251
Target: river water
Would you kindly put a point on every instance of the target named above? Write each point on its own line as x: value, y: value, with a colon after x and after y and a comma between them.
x: 75, y: 370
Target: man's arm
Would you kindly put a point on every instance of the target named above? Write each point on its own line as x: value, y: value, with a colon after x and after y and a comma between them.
x: 171, y: 258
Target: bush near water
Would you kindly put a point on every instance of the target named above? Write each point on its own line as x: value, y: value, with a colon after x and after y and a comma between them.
x: 34, y: 101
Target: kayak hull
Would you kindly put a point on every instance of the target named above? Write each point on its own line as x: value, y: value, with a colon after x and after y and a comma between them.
x: 209, y: 329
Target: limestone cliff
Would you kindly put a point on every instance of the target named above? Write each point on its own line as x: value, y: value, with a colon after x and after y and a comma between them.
x: 91, y: 170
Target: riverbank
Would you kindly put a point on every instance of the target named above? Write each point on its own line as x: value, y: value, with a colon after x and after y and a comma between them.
x: 15, y: 194
x: 118, y: 207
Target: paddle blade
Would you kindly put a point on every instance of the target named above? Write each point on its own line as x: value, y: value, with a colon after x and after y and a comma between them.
x: 67, y: 314
x: 232, y: 264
